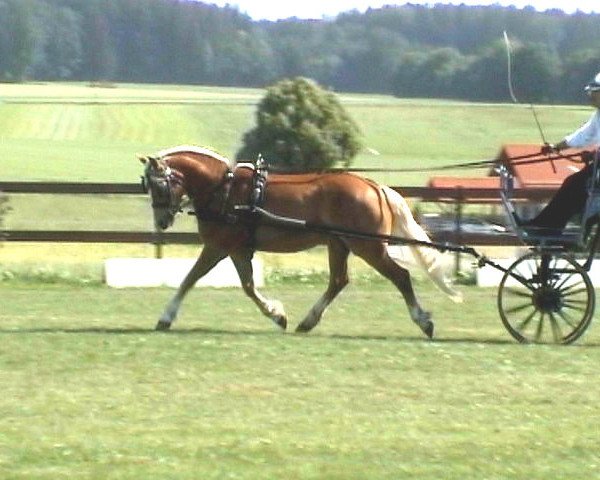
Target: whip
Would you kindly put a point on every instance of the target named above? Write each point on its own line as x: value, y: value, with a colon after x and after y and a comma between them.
x: 511, y: 90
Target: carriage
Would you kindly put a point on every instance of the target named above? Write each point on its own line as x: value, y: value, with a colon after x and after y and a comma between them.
x: 545, y: 296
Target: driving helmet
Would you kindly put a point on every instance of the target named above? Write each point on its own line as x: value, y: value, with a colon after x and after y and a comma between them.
x: 594, y: 85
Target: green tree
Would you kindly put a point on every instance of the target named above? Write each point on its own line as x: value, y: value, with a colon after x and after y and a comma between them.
x: 578, y: 70
x: 486, y: 77
x: 302, y: 126
x: 436, y: 73
x: 409, y: 81
x: 16, y: 39
x: 536, y: 71
x: 369, y: 60
x: 58, y: 47
x: 99, y: 55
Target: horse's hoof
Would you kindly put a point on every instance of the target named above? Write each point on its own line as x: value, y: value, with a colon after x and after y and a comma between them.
x: 423, y: 320
x: 162, y: 326
x: 280, y: 321
x: 428, y: 329
x: 304, y: 328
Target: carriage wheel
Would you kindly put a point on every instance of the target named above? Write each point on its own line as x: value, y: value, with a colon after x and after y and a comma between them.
x: 546, y: 298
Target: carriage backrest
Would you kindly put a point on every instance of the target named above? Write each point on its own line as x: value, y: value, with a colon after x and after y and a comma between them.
x: 592, y: 206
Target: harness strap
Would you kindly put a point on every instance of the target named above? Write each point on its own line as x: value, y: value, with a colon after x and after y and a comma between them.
x: 205, y: 213
x: 246, y: 215
x: 259, y: 183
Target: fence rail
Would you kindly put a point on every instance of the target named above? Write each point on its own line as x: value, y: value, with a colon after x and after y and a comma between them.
x: 457, y: 196
x: 100, y: 236
x: 427, y: 194
x: 70, y: 188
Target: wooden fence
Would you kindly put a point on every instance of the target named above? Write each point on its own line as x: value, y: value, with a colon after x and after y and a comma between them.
x: 458, y: 197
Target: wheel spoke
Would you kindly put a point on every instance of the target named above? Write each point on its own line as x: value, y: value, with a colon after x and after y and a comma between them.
x: 572, y: 302
x: 562, y: 280
x: 518, y: 308
x: 556, y: 332
x: 540, y: 328
x: 528, y: 283
x: 518, y: 292
x: 570, y: 293
x: 553, y: 267
x: 523, y: 325
x: 565, y: 317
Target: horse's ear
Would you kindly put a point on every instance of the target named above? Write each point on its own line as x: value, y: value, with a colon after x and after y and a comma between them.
x: 153, y: 161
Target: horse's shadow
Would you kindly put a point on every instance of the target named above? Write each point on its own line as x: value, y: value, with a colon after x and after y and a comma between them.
x: 270, y: 333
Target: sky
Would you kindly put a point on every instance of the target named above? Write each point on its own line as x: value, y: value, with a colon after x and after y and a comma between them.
x: 274, y: 10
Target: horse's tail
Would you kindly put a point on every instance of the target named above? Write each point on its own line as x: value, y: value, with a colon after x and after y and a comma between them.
x: 430, y: 259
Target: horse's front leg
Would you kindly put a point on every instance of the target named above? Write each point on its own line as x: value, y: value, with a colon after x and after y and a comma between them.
x: 270, y: 308
x: 209, y: 257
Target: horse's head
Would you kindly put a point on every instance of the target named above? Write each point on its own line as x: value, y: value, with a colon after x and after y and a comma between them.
x: 166, y: 189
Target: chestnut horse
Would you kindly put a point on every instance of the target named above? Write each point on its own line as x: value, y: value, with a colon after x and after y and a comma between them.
x: 216, y: 188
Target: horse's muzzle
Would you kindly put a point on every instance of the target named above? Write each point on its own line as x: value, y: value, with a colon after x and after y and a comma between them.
x: 164, y: 223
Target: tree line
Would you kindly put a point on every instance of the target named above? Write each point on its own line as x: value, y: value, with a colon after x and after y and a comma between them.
x: 409, y: 51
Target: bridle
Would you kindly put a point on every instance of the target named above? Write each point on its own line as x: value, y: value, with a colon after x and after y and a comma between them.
x: 161, y: 185
x: 161, y: 188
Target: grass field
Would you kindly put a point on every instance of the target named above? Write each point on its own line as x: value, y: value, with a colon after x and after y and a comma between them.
x: 90, y: 392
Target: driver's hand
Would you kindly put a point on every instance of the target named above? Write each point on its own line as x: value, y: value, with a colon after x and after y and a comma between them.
x: 548, y: 148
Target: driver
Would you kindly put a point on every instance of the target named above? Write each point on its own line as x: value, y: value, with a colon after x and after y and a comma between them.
x: 572, y: 194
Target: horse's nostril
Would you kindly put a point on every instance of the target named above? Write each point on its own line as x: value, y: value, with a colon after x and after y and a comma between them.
x: 162, y: 224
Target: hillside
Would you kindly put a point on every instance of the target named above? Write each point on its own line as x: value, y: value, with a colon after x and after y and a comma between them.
x: 76, y: 132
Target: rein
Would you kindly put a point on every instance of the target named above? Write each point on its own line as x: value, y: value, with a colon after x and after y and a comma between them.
x: 519, y: 160
x: 273, y: 220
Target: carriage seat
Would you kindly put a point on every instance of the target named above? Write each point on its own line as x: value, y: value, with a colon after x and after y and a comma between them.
x: 569, y: 238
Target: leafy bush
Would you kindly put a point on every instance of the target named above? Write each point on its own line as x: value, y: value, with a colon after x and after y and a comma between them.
x: 301, y: 126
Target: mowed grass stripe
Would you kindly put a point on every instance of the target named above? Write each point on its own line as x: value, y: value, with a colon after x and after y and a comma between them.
x: 105, y: 123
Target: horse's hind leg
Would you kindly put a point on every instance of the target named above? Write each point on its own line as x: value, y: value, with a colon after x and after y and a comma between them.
x: 270, y: 308
x: 207, y: 260
x: 338, y: 279
x: 376, y: 255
